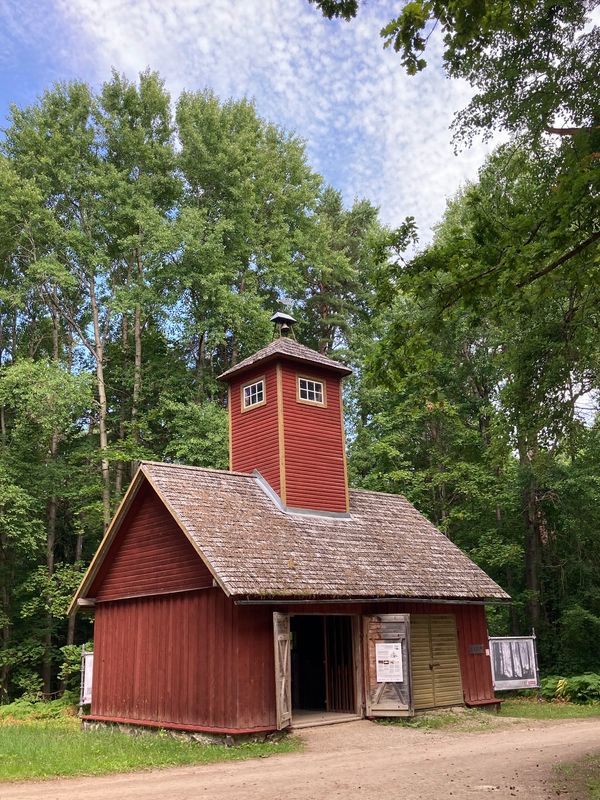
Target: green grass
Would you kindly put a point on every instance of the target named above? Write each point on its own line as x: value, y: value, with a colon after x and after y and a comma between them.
x: 471, y: 719
x: 579, y: 780
x: 529, y: 708
x: 50, y: 748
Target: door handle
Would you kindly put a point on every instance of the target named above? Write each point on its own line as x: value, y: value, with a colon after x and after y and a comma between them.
x: 433, y: 664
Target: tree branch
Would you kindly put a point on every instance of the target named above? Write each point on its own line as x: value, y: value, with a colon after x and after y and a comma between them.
x: 571, y: 131
x: 560, y: 261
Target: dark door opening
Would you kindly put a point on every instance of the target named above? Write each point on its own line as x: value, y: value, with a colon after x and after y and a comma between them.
x: 322, y: 663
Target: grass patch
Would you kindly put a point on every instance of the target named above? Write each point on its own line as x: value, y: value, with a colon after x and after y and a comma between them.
x: 459, y: 719
x: 529, y: 708
x: 579, y: 780
x: 57, y: 747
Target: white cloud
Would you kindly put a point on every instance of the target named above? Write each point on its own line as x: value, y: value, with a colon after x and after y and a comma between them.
x: 370, y: 129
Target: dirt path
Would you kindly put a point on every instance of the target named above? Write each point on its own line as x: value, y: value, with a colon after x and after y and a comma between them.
x: 361, y: 760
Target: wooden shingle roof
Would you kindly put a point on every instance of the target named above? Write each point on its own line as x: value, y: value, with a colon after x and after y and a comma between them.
x: 288, y: 348
x: 384, y: 548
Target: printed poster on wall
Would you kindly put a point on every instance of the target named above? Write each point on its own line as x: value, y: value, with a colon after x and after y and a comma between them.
x: 388, y: 656
x: 514, y: 662
x: 87, y: 676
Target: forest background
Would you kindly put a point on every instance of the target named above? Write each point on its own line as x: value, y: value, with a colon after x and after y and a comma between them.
x: 145, y: 244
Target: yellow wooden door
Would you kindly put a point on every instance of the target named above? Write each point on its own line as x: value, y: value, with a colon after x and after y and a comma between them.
x: 434, y: 660
x: 420, y: 658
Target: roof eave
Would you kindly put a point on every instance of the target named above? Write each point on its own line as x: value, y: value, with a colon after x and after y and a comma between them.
x: 239, y: 370
x: 315, y: 598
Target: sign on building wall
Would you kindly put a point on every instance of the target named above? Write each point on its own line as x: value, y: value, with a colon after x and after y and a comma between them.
x: 87, y: 675
x: 388, y: 657
x: 387, y: 680
x: 514, y: 662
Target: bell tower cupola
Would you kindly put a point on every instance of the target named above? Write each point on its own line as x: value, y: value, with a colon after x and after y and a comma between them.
x: 286, y: 421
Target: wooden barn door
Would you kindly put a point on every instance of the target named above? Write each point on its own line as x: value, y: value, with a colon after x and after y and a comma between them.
x: 283, y: 672
x: 387, y: 668
x: 435, y: 663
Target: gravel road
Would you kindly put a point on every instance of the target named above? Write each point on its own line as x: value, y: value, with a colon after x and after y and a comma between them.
x: 361, y: 760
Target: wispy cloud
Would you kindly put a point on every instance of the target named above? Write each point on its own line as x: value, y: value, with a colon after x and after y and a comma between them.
x: 370, y: 129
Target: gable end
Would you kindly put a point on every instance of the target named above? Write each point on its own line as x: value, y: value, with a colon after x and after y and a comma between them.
x: 149, y: 555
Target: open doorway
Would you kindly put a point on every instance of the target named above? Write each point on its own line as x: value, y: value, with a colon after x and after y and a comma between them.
x: 322, y: 665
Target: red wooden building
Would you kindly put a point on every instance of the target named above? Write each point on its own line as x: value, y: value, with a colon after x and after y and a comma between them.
x: 243, y: 601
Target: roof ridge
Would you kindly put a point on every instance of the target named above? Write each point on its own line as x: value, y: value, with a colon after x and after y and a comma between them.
x: 196, y: 469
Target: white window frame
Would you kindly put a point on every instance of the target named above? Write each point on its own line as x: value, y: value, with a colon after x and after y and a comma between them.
x: 255, y: 382
x: 308, y: 389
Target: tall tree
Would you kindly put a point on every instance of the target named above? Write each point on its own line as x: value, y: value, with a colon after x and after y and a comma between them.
x: 44, y: 405
x: 473, y: 398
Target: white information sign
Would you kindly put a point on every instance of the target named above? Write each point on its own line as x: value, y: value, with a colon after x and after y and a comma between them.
x: 388, y: 656
x: 87, y: 670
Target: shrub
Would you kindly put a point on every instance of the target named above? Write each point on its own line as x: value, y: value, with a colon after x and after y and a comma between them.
x: 549, y: 686
x: 23, y: 708
x: 576, y: 689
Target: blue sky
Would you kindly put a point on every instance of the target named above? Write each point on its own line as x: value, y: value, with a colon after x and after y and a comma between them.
x: 370, y: 130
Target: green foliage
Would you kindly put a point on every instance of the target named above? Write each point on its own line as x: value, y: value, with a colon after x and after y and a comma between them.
x: 531, y: 61
x: 24, y: 709
x: 470, y: 399
x: 198, y: 434
x: 134, y: 272
x: 580, y: 640
x: 69, y: 673
x: 576, y: 689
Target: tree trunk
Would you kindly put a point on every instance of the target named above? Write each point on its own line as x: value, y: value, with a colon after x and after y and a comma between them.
x: 120, y: 464
x: 137, y: 366
x: 5, y: 608
x: 78, y: 554
x: 200, y: 366
x: 50, y: 545
x: 103, y: 435
x: 51, y: 513
x: 533, y: 550
x: 532, y: 556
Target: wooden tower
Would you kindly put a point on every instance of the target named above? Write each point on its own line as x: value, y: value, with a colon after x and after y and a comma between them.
x: 286, y: 421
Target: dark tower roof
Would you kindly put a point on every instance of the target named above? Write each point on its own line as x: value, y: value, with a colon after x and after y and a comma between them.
x: 287, y: 348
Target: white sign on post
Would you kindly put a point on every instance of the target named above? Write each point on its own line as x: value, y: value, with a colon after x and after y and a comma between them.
x: 388, y: 656
x: 87, y: 674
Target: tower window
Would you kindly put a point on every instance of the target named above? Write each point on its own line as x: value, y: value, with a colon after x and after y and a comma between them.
x: 311, y: 391
x: 253, y: 394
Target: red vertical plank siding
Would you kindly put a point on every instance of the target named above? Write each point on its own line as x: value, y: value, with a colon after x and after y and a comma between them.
x: 198, y: 659
x: 313, y: 437
x: 188, y: 659
x: 254, y: 432
x: 476, y: 667
x: 314, y: 443
x: 150, y: 555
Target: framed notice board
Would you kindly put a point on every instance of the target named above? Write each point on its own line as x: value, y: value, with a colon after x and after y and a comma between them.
x: 514, y: 662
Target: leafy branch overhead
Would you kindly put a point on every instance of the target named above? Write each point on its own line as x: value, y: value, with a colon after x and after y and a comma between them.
x: 532, y: 63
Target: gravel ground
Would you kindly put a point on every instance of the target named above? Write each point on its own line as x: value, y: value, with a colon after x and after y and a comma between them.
x: 362, y: 760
